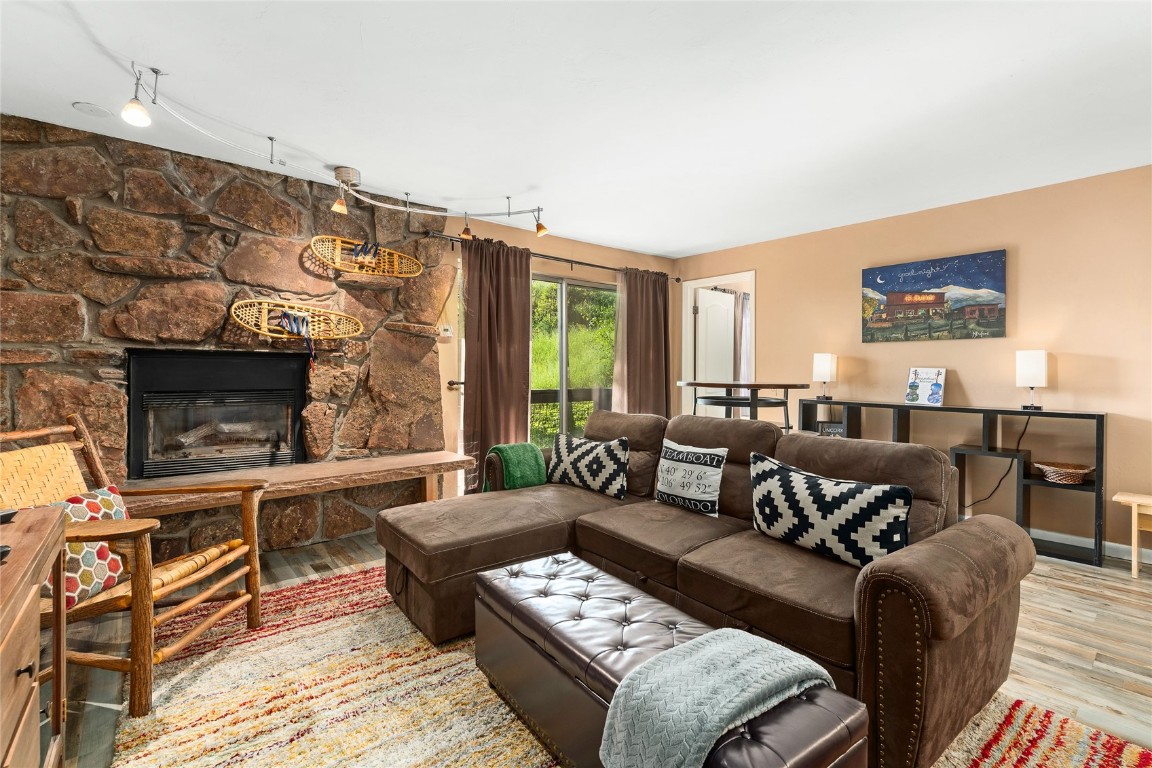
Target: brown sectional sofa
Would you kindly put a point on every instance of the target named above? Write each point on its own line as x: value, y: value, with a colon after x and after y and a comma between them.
x: 922, y: 636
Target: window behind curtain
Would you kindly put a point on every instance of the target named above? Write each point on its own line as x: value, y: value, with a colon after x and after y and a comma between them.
x: 573, y: 348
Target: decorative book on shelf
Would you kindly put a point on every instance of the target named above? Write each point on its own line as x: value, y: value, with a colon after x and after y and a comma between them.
x: 925, y: 386
x: 364, y: 258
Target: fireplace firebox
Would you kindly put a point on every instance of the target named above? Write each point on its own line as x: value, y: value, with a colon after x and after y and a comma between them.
x: 208, y: 411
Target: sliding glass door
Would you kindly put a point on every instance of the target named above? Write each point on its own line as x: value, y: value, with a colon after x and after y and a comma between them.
x: 573, y: 349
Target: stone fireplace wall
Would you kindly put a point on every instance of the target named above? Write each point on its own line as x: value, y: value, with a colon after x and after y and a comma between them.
x: 108, y: 244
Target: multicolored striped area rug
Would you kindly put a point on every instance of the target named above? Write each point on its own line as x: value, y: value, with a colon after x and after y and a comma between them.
x: 337, y: 676
x: 1016, y: 734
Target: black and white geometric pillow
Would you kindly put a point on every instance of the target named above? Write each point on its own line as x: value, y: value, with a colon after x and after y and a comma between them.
x: 852, y: 522
x: 689, y: 477
x: 600, y: 467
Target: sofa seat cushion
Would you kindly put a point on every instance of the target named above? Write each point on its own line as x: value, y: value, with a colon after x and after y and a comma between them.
x: 798, y: 597
x: 441, y: 539
x: 650, y: 537
x: 568, y: 502
x: 449, y: 537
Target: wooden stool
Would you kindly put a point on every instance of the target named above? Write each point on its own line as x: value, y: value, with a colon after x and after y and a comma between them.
x: 1141, y: 504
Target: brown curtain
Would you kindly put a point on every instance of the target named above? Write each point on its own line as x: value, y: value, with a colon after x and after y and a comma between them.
x: 641, y: 381
x: 497, y: 340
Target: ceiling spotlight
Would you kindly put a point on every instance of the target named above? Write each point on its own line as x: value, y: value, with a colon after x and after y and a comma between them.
x: 347, y: 178
x: 541, y: 230
x: 466, y: 233
x: 340, y: 206
x: 134, y: 112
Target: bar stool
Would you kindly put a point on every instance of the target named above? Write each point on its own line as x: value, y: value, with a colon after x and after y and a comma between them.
x: 728, y: 402
x: 1141, y: 504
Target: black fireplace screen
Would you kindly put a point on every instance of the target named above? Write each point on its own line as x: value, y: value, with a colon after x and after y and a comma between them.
x: 196, y: 432
x: 210, y: 411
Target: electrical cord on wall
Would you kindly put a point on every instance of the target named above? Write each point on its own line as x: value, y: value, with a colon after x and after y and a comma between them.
x: 1010, y: 464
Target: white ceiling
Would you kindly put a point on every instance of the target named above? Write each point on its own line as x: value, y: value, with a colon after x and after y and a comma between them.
x: 671, y: 128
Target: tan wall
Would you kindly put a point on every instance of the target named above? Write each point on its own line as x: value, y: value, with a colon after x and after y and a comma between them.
x: 551, y: 245
x: 1079, y: 282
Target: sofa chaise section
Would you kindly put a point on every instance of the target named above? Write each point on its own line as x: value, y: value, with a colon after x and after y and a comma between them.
x: 434, y: 549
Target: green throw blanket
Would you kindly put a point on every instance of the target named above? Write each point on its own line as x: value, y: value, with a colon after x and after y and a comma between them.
x: 523, y: 465
x: 670, y: 710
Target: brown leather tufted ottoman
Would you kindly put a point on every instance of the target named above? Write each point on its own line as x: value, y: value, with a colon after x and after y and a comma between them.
x: 555, y: 636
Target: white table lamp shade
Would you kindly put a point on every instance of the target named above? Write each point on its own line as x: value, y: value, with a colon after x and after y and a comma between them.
x: 1031, y: 368
x: 824, y: 367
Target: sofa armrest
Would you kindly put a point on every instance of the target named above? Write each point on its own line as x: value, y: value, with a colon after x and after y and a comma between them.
x: 494, y: 469
x: 954, y: 574
x: 935, y: 628
x: 494, y: 472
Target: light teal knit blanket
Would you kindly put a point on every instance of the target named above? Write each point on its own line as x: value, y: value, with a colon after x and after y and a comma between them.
x: 670, y: 710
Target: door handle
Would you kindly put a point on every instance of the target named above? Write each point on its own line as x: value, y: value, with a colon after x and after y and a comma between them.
x: 453, y: 385
x: 27, y: 669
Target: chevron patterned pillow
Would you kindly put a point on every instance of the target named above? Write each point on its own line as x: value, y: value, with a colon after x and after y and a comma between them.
x: 852, y: 522
x: 689, y: 477
x: 600, y: 467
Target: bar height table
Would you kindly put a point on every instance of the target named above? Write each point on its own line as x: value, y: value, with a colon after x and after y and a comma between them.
x: 753, y: 401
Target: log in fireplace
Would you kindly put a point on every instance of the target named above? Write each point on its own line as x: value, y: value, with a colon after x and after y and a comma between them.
x: 208, y: 411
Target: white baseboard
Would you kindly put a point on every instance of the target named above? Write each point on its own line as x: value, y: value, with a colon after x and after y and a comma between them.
x: 1111, y: 548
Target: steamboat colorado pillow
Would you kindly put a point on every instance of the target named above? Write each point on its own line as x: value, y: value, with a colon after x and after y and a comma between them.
x: 852, y: 522
x: 689, y: 477
x: 600, y: 467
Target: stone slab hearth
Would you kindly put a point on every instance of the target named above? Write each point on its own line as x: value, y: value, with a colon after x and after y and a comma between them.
x: 109, y: 244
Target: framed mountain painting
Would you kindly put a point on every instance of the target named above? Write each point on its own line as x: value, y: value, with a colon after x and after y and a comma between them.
x: 956, y: 297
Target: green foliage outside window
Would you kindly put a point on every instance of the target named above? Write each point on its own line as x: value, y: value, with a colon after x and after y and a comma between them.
x: 591, y: 350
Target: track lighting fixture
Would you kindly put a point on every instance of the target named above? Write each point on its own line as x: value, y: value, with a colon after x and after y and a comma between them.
x: 340, y: 206
x: 134, y: 112
x: 347, y: 178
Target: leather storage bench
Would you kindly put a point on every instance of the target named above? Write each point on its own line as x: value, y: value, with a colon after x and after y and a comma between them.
x: 434, y: 549
x: 555, y: 636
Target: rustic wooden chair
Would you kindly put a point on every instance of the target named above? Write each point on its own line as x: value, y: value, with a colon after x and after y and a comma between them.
x: 44, y: 473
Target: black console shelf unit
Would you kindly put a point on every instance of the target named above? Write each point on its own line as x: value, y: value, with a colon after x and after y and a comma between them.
x: 848, y: 424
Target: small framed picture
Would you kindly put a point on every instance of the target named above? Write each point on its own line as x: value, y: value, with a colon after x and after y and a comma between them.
x: 834, y: 428
x: 925, y: 385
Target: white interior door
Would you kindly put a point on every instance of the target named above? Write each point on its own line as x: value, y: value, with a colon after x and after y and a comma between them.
x: 715, y: 342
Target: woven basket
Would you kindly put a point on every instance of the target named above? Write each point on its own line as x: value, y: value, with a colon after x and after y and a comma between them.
x: 1060, y: 472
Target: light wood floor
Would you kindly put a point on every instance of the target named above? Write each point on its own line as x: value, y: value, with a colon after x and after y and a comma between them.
x: 1083, y: 649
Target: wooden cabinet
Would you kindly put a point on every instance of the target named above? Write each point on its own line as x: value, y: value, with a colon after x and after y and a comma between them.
x: 36, y: 537
x: 848, y: 425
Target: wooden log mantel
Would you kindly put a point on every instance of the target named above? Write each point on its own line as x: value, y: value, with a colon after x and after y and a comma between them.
x: 299, y: 479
